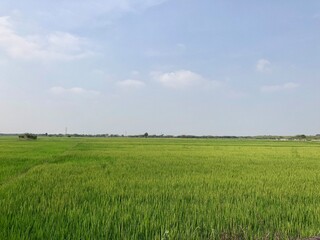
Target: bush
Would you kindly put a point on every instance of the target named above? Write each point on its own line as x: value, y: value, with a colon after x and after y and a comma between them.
x: 28, y: 136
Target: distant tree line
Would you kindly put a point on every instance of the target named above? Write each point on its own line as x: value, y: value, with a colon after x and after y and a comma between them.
x: 146, y: 135
x: 300, y: 137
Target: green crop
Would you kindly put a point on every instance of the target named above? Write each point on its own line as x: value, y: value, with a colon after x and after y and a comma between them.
x: 121, y: 188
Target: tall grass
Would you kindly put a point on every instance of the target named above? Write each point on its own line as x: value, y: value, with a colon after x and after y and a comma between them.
x: 158, y: 189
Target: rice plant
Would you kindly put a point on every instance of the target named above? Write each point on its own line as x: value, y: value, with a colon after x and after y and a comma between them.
x: 95, y: 188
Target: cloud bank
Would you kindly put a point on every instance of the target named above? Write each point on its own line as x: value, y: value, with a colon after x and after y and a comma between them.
x: 53, y: 46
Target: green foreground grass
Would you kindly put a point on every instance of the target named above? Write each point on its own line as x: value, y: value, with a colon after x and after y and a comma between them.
x: 91, y: 188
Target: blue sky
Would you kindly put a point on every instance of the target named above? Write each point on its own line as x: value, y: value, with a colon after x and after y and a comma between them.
x: 160, y: 66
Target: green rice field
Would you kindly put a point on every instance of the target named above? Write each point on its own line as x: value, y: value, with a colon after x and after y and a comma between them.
x: 127, y: 188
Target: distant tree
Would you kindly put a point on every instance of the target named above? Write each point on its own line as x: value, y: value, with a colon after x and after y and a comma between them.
x: 146, y: 135
x: 28, y: 136
x: 302, y: 136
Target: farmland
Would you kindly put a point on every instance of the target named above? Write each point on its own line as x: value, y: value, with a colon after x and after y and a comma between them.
x: 122, y: 188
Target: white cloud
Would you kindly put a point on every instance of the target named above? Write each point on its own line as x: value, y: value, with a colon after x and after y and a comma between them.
x: 73, y: 91
x: 131, y: 83
x: 263, y: 66
x: 278, y: 88
x: 54, y: 46
x: 179, y: 79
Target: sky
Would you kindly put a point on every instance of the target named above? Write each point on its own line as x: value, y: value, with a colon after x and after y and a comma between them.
x: 209, y: 67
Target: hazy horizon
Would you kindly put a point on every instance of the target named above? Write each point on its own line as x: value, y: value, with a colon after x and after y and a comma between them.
x: 168, y: 67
